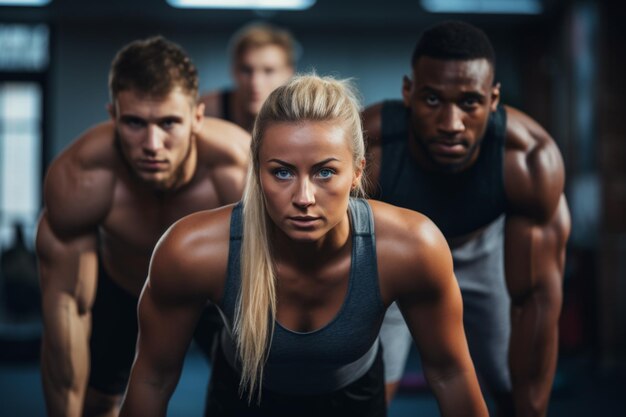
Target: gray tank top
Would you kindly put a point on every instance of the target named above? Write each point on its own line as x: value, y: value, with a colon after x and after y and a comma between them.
x: 336, y: 354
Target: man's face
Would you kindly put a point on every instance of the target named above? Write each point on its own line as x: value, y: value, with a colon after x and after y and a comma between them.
x: 258, y: 72
x: 449, y: 103
x: 156, y: 134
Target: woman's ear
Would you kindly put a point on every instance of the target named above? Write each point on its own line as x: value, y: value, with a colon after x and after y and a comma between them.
x: 358, y: 174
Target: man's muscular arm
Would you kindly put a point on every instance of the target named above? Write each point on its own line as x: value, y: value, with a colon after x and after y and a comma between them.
x: 536, y: 233
x: 67, y: 269
x: 66, y: 249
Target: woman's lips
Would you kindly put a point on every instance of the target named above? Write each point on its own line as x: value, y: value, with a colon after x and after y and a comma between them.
x: 302, y: 221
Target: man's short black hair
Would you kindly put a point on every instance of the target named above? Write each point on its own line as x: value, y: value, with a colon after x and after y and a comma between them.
x: 454, y: 40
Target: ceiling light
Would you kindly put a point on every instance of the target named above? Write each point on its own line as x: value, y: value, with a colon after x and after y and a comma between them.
x: 483, y: 6
x: 243, y: 4
x: 31, y: 3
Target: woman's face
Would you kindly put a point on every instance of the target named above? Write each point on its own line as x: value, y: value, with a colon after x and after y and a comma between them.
x: 306, y: 173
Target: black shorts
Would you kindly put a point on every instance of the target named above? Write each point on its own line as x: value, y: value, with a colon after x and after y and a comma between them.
x: 114, y: 335
x: 364, y: 397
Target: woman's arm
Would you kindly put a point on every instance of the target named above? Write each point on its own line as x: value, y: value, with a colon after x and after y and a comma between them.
x: 421, y: 280
x: 180, y: 282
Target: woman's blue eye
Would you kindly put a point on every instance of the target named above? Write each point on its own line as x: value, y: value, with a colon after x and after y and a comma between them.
x: 282, y: 174
x: 325, y: 173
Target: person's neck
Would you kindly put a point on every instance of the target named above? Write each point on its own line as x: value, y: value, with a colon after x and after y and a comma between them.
x: 188, y: 167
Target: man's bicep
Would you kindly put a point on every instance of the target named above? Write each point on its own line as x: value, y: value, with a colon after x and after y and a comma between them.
x: 77, y: 197
x: 535, y: 252
x: 67, y: 265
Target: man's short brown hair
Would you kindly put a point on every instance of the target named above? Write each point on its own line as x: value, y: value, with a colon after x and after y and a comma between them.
x: 154, y: 67
x: 261, y: 34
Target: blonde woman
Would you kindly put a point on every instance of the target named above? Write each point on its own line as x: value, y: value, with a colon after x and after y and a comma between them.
x: 303, y: 274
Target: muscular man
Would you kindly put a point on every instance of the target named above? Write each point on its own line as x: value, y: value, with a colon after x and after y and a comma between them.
x: 108, y: 198
x: 263, y: 58
x: 492, y: 179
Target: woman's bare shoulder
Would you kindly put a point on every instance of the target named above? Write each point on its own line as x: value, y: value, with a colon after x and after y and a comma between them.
x: 413, y: 254
x: 192, y: 255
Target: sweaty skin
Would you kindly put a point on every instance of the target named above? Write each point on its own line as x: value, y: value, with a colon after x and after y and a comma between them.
x: 109, y: 199
x: 306, y: 174
x: 449, y: 103
x: 256, y: 73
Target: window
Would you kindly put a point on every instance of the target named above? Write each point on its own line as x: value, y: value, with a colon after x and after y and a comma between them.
x: 23, y: 65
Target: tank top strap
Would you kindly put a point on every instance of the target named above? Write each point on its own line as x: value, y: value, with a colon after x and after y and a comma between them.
x: 365, y: 289
x: 233, y: 272
x: 497, y: 125
x: 225, y: 103
x: 364, y: 271
x: 236, y: 222
x: 393, y: 116
x: 361, y: 217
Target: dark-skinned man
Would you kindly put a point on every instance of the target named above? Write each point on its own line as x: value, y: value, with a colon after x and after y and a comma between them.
x: 492, y: 180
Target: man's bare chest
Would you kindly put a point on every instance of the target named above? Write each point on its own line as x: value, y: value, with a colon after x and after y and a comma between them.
x: 138, y: 218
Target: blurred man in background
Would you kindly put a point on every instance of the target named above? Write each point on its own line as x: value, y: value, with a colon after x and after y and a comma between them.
x: 262, y: 58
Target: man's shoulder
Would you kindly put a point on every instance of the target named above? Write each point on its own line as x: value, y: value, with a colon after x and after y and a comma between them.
x: 222, y: 143
x: 93, y: 149
x: 212, y: 101
x: 372, y: 124
x: 79, y: 183
x: 378, y: 117
x: 533, y: 167
x: 523, y: 133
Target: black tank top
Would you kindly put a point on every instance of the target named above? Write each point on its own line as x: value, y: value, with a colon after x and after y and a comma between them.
x: 341, y: 351
x: 457, y: 203
x: 225, y: 102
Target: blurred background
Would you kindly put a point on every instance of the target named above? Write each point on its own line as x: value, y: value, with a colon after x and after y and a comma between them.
x: 560, y: 61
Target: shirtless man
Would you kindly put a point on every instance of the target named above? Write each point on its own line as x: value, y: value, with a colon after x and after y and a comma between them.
x: 108, y: 198
x: 263, y: 58
x: 492, y: 179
